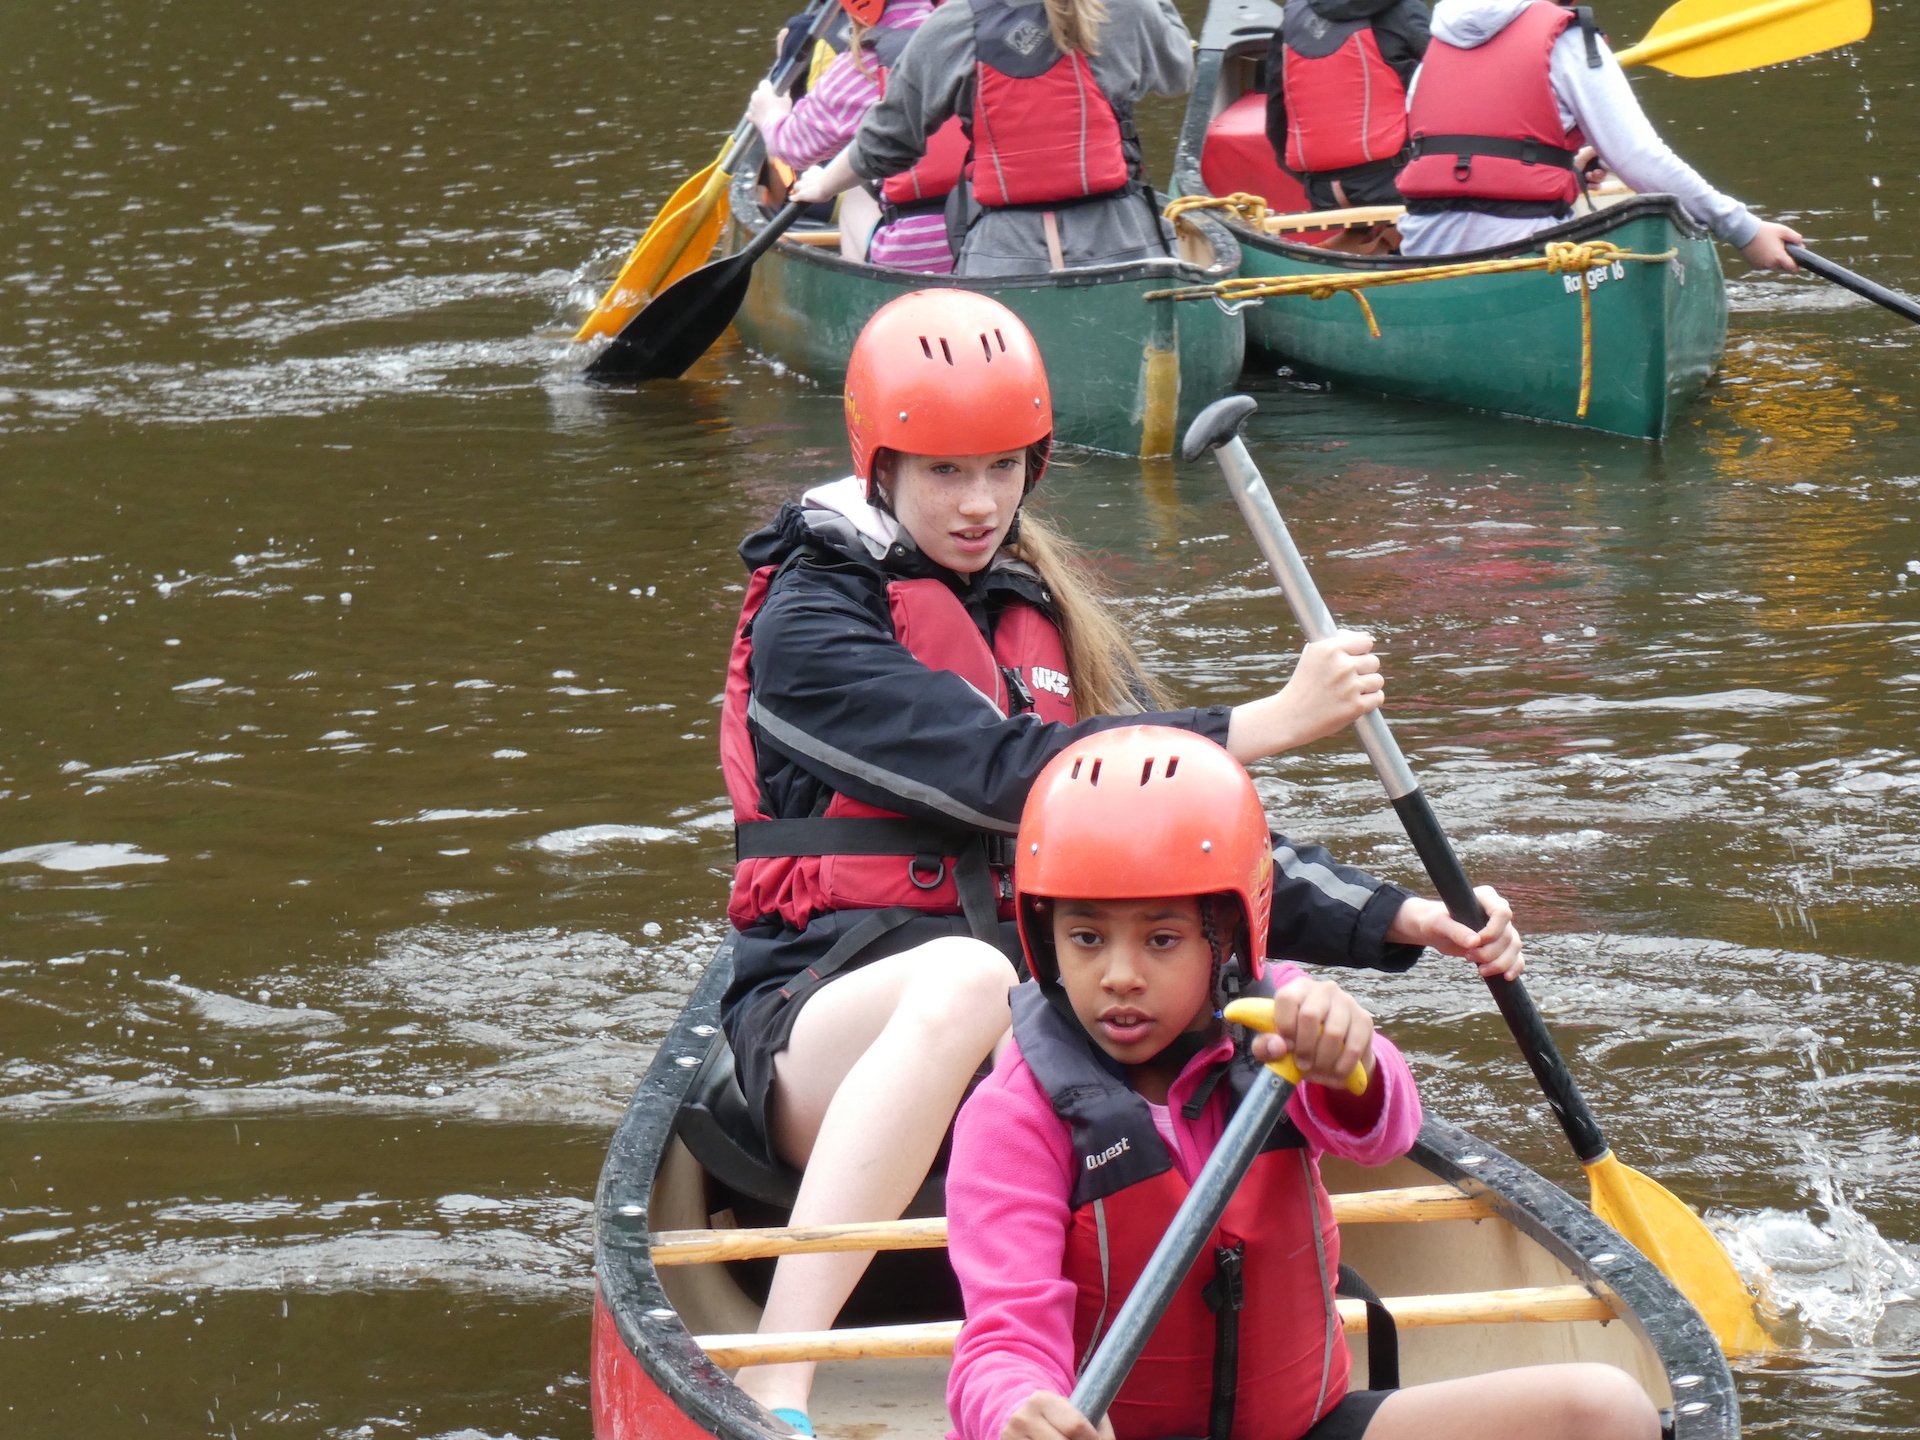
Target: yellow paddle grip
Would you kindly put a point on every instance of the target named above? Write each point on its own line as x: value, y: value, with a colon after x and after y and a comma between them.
x: 1257, y: 1014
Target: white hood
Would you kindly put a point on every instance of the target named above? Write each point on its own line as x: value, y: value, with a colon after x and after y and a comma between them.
x: 846, y: 501
x: 1469, y: 23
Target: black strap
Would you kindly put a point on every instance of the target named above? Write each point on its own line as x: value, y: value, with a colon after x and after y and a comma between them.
x: 1392, y: 165
x: 877, y: 835
x: 1225, y: 1294
x: 1383, y: 1341
x: 1590, y: 32
x: 1509, y: 209
x: 866, y: 932
x: 1464, y: 147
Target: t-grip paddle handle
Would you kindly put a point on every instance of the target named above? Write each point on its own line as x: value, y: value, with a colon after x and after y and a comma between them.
x: 1217, y: 428
x: 1256, y: 1013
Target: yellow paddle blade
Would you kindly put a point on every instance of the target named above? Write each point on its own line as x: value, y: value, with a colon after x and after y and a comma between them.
x: 677, y: 243
x: 1696, y: 38
x: 1667, y: 1232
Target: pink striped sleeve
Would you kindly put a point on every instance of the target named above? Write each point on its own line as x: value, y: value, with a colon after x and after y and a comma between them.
x: 823, y: 122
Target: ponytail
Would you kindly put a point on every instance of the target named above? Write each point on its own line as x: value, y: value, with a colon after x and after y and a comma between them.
x: 1102, y: 667
x: 1075, y: 25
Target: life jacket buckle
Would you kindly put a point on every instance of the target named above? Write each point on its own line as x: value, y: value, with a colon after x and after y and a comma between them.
x: 934, y: 866
x: 1463, y: 168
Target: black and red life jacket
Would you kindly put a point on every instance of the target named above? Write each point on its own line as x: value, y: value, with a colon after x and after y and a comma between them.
x: 924, y: 188
x: 1044, y: 133
x: 1346, y: 106
x: 855, y: 856
x: 1256, y: 1313
x: 1486, y: 128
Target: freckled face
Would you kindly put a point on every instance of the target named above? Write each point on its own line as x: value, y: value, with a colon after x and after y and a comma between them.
x: 958, y: 508
x: 1139, y: 973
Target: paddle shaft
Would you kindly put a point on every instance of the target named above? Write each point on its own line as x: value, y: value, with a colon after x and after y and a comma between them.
x: 1859, y: 284
x: 1173, y: 1257
x: 1416, y: 814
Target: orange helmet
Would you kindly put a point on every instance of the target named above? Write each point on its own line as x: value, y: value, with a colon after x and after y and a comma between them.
x: 945, y: 372
x: 1135, y: 813
x: 867, y: 12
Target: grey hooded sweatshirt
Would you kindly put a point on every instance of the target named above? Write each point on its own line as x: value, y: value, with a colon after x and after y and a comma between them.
x: 1602, y: 104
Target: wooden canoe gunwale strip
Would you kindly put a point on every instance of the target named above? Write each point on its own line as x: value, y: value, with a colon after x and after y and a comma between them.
x: 1538, y: 1305
x: 1411, y: 1204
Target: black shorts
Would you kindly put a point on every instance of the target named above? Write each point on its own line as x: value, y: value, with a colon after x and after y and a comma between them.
x: 1349, y: 1419
x: 760, y: 1023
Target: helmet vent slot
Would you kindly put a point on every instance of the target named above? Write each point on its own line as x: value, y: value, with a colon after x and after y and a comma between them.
x: 1093, y: 776
x: 946, y: 350
x: 1146, y: 770
x: 1003, y: 341
x: 1074, y: 774
x: 986, y: 349
x: 925, y: 348
x: 1172, y: 765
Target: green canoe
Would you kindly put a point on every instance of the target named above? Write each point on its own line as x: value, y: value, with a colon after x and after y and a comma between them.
x: 1509, y: 343
x: 1127, y: 374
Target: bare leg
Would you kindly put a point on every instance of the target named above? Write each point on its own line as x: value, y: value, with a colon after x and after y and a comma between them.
x: 859, y: 216
x: 862, y: 1096
x: 1568, y: 1402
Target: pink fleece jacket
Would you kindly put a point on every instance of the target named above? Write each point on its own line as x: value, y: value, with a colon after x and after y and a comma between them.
x: 1007, y: 1214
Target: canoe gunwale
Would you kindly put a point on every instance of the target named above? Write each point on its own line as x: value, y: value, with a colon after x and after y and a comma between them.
x: 744, y: 200
x: 657, y: 1338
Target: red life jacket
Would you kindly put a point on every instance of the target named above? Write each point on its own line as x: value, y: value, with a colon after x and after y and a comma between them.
x: 1485, y: 124
x: 927, y: 184
x: 801, y: 874
x: 1044, y: 132
x: 1271, y: 1263
x: 1346, y: 107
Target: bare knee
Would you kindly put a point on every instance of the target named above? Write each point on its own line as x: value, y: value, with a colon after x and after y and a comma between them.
x: 958, y: 993
x: 1605, y: 1403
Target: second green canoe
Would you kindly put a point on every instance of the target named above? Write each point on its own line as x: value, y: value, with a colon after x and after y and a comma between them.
x: 1509, y: 343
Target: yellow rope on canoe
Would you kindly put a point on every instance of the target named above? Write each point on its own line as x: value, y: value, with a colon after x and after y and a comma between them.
x: 1251, y: 209
x: 1561, y: 257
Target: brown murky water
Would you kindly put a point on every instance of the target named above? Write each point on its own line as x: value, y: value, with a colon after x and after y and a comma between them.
x: 360, y: 825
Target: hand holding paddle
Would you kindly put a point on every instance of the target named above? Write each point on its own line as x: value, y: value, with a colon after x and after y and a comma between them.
x: 1656, y: 1221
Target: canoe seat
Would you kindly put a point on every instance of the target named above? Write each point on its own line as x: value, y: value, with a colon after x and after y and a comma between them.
x: 1238, y: 158
x: 715, y: 1124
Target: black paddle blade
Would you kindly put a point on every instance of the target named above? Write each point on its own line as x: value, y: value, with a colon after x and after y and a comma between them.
x: 663, y: 340
x: 683, y: 320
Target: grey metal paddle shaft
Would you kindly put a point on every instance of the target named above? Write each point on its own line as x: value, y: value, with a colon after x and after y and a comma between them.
x: 1217, y: 428
x: 1173, y: 1257
x: 1270, y: 531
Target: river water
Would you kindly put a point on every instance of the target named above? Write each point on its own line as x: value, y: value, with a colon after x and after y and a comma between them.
x: 360, y: 823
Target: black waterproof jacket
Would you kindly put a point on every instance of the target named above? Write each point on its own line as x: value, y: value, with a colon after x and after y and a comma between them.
x: 856, y: 712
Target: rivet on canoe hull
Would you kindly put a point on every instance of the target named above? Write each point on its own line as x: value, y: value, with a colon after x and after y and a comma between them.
x: 659, y: 1313
x: 1685, y: 1382
x: 703, y: 1031
x: 1605, y: 1257
x: 1473, y: 1159
x: 633, y: 1212
x: 1694, y: 1407
x: 686, y: 1062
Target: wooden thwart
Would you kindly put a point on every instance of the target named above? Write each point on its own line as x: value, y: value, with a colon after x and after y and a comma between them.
x: 1539, y: 1305
x: 1334, y: 219
x: 705, y: 1247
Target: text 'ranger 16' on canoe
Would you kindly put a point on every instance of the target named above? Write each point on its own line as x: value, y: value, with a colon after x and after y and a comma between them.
x: 1127, y: 374
x: 1614, y: 343
x: 1477, y: 1263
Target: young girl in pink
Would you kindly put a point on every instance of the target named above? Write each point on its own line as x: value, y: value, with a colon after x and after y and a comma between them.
x: 822, y: 124
x: 1143, y: 865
